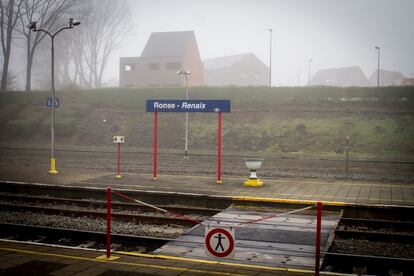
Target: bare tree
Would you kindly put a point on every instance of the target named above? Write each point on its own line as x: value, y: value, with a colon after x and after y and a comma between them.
x: 82, y: 54
x: 11, y: 80
x: 46, y: 13
x: 70, y: 49
x: 10, y: 12
x: 107, y: 24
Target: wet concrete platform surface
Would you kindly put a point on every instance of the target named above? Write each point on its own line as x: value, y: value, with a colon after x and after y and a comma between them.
x: 262, y: 236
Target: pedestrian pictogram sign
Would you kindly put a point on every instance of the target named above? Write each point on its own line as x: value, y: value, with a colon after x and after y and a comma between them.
x: 52, y: 102
x: 219, y: 242
x: 119, y: 139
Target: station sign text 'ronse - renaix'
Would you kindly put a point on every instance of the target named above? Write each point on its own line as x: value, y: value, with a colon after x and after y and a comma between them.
x: 188, y: 105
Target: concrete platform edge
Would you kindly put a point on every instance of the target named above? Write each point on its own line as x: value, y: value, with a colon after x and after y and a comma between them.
x: 219, y: 197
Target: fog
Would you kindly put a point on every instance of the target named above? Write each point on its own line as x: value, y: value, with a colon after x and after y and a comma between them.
x: 332, y: 33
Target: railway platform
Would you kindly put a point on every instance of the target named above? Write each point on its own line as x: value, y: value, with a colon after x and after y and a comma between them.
x: 30, y: 166
x: 23, y: 258
x: 289, y: 190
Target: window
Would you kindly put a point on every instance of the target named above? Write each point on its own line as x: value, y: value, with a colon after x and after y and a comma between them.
x: 129, y: 67
x: 153, y: 66
x: 173, y: 66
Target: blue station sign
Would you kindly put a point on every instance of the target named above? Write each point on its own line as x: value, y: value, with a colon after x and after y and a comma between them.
x: 188, y: 105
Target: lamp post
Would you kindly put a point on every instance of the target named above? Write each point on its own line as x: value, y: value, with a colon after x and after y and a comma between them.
x: 32, y: 26
x: 185, y: 74
x: 270, y: 59
x: 310, y: 61
x: 378, y: 72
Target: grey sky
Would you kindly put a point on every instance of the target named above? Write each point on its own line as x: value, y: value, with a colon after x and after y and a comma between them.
x: 332, y: 33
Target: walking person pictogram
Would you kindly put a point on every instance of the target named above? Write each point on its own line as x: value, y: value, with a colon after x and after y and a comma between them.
x: 219, y: 242
x: 219, y: 237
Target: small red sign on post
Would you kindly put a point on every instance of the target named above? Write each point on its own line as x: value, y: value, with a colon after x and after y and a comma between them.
x: 219, y: 242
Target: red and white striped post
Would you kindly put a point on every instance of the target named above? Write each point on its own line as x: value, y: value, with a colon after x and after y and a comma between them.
x: 119, y: 161
x: 219, y: 181
x: 119, y: 140
x: 155, y: 145
x: 318, y: 237
x: 108, y: 222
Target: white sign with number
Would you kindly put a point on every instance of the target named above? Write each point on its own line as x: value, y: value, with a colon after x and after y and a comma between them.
x: 219, y: 242
x: 119, y: 139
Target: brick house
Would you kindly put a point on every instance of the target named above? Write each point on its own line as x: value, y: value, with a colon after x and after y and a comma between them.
x: 164, y: 54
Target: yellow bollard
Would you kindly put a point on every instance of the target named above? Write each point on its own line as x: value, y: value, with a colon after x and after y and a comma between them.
x: 255, y: 182
x: 253, y: 164
x: 53, y: 166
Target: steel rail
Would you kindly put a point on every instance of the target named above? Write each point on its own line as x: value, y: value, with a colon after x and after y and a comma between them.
x: 158, y: 220
x: 213, y: 155
x: 378, y: 223
x: 372, y: 262
x: 115, y: 205
x: 79, y: 235
x: 374, y: 236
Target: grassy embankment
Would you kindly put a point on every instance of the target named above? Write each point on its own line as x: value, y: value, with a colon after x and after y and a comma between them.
x: 273, y: 121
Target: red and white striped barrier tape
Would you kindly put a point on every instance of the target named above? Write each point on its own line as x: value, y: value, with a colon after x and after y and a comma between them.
x: 260, y: 219
x: 277, y: 215
x: 211, y: 220
x: 157, y: 208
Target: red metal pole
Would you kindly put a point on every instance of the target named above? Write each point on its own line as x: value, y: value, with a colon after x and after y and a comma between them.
x: 219, y: 150
x: 318, y: 237
x: 108, y: 222
x: 119, y: 159
x: 155, y: 144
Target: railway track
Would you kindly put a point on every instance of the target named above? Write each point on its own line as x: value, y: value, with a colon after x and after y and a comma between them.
x: 171, y: 162
x: 157, y: 220
x: 78, y: 238
x: 376, y: 230
x: 366, y: 264
x: 68, y: 221
x: 372, y: 246
x: 237, y: 156
x: 136, y: 213
x: 102, y: 204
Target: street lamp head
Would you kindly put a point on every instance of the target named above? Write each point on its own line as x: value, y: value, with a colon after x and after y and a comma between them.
x: 32, y: 26
x: 73, y: 23
x: 183, y: 72
x: 376, y: 47
x: 270, y: 30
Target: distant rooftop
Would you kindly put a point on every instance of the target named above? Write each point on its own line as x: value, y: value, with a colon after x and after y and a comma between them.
x: 344, y: 76
x: 387, y: 77
x: 223, y: 62
x: 162, y: 44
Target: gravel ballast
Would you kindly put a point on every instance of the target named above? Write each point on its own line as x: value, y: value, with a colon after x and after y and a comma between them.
x: 91, y: 224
